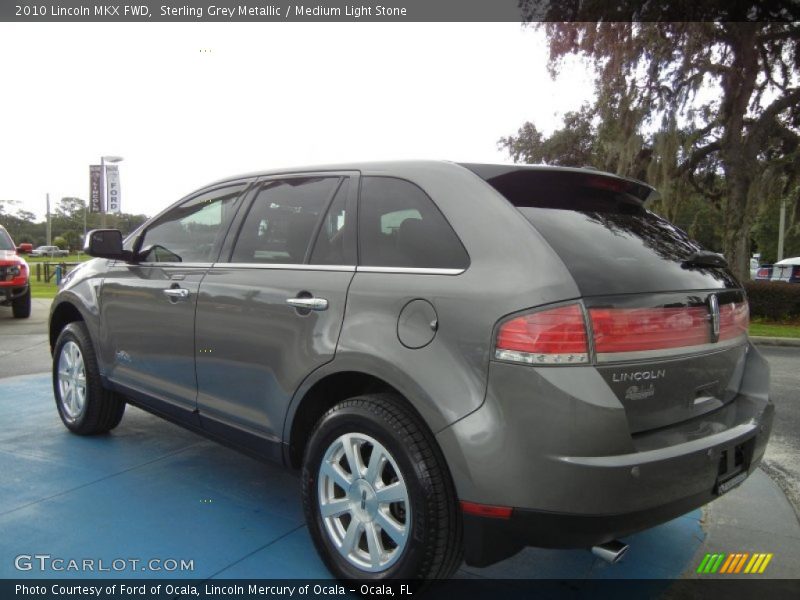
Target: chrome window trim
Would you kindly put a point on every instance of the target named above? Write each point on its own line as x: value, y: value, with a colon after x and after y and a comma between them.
x: 409, y: 270
x: 345, y: 268
x: 193, y: 265
x: 286, y: 266
x: 615, y: 357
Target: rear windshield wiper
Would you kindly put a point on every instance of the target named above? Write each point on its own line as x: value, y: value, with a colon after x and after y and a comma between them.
x: 704, y: 258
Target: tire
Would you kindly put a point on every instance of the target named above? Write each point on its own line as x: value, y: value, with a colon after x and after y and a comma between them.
x: 416, y: 532
x: 84, y: 405
x: 21, y: 307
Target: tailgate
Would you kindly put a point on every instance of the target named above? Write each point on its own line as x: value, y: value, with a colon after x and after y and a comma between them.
x: 670, y: 357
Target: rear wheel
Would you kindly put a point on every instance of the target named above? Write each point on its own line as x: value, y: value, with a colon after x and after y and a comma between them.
x: 84, y: 405
x: 21, y: 307
x: 377, y: 494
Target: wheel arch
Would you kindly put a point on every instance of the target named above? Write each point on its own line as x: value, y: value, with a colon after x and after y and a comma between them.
x: 319, y: 394
x: 63, y: 314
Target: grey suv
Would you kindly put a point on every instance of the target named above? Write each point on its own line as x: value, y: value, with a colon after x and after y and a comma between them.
x: 460, y: 359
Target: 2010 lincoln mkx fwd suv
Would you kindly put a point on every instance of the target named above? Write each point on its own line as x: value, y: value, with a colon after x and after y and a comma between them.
x: 460, y: 359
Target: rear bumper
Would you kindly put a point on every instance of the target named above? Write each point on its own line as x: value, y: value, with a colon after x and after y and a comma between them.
x: 576, y: 477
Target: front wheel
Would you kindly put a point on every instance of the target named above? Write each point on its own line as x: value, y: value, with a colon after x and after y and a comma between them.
x: 21, y: 307
x: 84, y: 405
x: 378, y: 497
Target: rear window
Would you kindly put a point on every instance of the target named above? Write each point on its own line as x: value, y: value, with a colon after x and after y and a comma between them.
x: 606, y: 238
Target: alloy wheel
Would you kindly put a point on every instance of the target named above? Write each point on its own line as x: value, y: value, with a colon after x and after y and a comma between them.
x: 72, y: 381
x: 364, y: 503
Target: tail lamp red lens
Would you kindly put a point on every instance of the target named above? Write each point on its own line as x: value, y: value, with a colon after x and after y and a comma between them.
x: 554, y: 336
x: 559, y: 335
x: 639, y: 329
x: 734, y: 319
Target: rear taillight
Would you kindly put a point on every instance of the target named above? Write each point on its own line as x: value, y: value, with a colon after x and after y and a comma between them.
x: 558, y: 336
x: 734, y: 319
x: 796, y: 273
x: 640, y: 329
x: 763, y: 273
x: 554, y: 336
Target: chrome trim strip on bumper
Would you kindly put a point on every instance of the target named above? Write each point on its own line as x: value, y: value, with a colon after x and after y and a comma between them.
x: 609, y: 357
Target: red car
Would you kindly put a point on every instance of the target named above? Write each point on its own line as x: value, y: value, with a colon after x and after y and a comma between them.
x: 15, y: 289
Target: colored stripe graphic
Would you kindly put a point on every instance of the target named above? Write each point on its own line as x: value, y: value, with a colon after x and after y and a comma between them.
x: 765, y: 563
x: 703, y: 563
x: 741, y: 562
x: 727, y: 564
x: 734, y: 563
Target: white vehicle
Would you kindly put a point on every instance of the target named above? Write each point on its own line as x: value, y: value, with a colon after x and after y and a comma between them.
x: 787, y: 269
x: 49, y: 251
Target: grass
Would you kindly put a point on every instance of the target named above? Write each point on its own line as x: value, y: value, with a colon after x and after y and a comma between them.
x: 57, y: 259
x: 775, y: 328
x: 40, y: 289
x: 48, y: 289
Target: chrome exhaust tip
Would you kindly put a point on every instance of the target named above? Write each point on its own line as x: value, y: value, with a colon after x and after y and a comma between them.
x: 611, y: 551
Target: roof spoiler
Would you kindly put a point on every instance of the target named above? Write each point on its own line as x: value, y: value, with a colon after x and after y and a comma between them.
x: 593, y: 178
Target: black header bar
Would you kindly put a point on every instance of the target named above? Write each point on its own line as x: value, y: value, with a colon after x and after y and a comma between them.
x: 397, y: 10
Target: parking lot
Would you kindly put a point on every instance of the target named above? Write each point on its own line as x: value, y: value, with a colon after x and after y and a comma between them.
x: 152, y: 491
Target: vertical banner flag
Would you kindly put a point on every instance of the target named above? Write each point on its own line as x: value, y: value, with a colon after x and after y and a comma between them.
x: 96, y: 189
x: 113, y: 189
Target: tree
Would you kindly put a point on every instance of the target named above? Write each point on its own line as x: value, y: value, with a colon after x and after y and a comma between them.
x: 571, y: 146
x: 717, y: 103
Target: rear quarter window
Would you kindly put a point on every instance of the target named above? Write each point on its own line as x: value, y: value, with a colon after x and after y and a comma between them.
x: 400, y: 226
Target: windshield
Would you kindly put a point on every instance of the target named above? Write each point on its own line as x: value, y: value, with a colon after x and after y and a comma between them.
x: 5, y: 241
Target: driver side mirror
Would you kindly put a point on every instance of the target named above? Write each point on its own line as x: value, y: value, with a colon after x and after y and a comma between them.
x: 105, y: 243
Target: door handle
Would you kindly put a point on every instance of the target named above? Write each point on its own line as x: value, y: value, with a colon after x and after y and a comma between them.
x: 308, y: 303
x: 177, y: 293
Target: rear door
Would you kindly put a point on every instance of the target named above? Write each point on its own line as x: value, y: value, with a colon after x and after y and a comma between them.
x: 271, y: 311
x: 669, y: 337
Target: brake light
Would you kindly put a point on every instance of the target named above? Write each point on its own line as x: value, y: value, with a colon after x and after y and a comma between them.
x: 763, y: 272
x: 558, y: 336
x: 607, y: 183
x: 554, y: 336
x: 734, y: 319
x: 796, y: 273
x: 641, y: 329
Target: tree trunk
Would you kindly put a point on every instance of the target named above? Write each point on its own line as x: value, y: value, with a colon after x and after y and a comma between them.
x: 737, y: 225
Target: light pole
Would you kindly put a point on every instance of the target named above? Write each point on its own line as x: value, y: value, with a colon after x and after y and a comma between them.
x: 781, y: 229
x: 103, y: 161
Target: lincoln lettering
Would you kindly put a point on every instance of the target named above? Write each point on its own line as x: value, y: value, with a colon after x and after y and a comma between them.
x: 639, y: 376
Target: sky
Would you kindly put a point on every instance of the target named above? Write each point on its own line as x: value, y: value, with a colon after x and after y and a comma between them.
x: 188, y: 103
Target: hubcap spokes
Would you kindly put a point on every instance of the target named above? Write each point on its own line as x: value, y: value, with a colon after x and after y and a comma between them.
x: 71, y: 380
x: 363, y: 501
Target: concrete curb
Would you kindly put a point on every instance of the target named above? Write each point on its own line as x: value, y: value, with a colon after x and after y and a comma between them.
x: 774, y: 341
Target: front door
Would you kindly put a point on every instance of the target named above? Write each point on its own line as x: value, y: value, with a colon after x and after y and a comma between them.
x: 149, y: 305
x: 271, y: 313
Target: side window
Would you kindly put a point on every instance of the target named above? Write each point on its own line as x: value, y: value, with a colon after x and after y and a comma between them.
x: 193, y: 231
x: 331, y: 247
x: 399, y: 226
x: 283, y: 219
